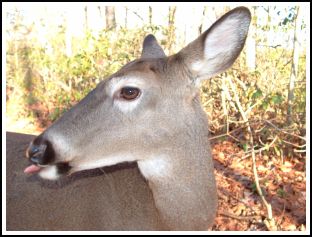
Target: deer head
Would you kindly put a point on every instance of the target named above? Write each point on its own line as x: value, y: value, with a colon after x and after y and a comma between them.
x: 149, y: 112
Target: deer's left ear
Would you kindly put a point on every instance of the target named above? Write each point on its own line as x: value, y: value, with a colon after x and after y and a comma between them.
x: 218, y: 47
x: 151, y: 49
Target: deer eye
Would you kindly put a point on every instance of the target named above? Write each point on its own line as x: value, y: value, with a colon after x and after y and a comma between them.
x: 129, y: 93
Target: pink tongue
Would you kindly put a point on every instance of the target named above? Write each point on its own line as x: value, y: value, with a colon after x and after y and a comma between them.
x: 31, y: 169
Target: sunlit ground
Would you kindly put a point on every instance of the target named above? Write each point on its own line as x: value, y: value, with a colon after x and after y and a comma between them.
x: 22, y: 125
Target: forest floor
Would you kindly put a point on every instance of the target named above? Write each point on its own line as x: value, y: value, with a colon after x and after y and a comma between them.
x: 283, y: 183
x: 240, y: 208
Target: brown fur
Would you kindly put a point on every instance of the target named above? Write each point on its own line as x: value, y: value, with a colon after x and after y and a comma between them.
x: 112, y: 198
x: 164, y: 130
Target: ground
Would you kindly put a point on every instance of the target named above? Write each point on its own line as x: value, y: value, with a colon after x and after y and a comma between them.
x: 240, y: 207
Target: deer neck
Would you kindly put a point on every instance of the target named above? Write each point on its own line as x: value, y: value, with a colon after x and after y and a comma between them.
x: 182, y: 181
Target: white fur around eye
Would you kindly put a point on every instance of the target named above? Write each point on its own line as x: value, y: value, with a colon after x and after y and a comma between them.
x: 117, y: 84
x: 127, y: 106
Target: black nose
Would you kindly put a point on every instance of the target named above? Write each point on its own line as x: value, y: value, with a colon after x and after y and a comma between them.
x: 40, y: 151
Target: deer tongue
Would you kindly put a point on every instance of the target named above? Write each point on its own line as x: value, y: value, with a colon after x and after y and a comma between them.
x: 31, y: 169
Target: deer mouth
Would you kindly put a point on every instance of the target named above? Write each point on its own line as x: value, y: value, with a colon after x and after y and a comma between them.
x: 52, y: 172
x: 32, y: 169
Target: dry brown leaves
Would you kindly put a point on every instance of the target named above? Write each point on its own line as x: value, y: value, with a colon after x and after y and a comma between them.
x: 240, y: 208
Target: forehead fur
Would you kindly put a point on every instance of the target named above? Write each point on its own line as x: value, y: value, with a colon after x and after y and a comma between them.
x: 164, y: 70
x: 157, y: 65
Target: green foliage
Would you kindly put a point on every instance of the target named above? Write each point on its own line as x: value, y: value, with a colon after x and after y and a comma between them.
x: 263, y: 95
x: 254, y: 187
x: 288, y: 16
x: 44, y: 76
x: 281, y: 193
x: 43, y: 82
x: 257, y: 94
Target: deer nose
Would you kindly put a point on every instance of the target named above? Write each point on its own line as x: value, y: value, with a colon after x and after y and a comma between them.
x: 40, y: 151
x: 38, y: 159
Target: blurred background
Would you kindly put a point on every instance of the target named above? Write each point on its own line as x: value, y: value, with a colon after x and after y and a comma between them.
x: 56, y: 53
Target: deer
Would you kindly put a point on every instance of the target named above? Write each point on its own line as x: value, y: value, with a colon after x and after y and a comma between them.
x: 134, y: 154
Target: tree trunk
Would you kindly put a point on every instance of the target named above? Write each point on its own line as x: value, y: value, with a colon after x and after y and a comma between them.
x: 150, y: 15
x: 294, y: 67
x: 200, y: 28
x: 251, y: 43
x: 86, y: 19
x: 68, y: 38
x: 171, y: 28
x: 102, y: 16
x: 126, y: 17
x: 110, y: 17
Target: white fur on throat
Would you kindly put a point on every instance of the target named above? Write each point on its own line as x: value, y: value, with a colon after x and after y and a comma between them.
x: 155, y: 167
x: 152, y: 167
x: 102, y: 162
x: 49, y: 172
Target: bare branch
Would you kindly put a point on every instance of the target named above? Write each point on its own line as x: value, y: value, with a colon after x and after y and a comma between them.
x: 242, y: 218
x: 281, y: 130
x: 295, y: 145
x: 269, y: 222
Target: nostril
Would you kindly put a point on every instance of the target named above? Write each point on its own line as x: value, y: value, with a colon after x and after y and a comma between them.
x: 36, y: 153
x: 40, y: 151
x: 34, y: 150
x: 35, y: 160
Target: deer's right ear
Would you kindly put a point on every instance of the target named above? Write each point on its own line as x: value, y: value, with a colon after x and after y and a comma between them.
x: 218, y: 47
x: 151, y: 49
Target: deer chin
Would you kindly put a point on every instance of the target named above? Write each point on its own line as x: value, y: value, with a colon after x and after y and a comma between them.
x: 51, y: 172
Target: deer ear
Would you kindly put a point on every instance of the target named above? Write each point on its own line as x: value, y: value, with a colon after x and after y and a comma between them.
x: 218, y: 47
x: 151, y: 49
